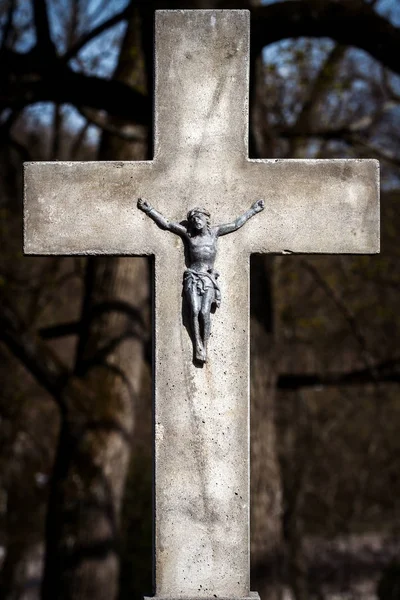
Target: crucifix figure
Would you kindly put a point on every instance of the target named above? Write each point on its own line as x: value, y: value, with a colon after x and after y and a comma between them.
x: 202, y: 291
x: 201, y: 415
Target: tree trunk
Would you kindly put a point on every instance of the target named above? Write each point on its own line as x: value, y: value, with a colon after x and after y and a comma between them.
x: 266, y: 488
x: 99, y: 404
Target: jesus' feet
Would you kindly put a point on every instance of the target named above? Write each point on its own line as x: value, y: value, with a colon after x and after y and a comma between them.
x: 201, y: 355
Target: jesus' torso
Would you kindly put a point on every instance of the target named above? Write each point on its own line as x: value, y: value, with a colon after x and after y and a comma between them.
x: 202, y: 250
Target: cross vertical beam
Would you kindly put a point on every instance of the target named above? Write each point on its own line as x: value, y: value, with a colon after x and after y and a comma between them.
x: 202, y: 443
x: 202, y: 415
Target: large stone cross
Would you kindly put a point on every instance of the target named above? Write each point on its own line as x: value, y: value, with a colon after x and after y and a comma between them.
x: 201, y: 159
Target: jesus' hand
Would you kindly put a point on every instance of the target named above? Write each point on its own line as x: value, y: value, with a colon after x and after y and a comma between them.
x: 143, y: 205
x: 258, y: 206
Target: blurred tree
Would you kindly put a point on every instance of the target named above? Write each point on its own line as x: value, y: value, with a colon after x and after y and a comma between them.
x: 96, y: 430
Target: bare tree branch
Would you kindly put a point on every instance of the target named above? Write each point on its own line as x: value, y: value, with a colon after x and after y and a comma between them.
x: 373, y: 150
x: 57, y: 131
x: 90, y: 35
x: 8, y: 23
x: 126, y: 131
x: 385, y: 372
x: 7, y: 124
x: 44, y: 43
x: 345, y: 311
x: 351, y: 23
x: 349, y: 137
x: 20, y: 148
x: 28, y: 78
x: 320, y: 86
x: 30, y: 350
x: 59, y: 330
x: 306, y: 118
x: 78, y: 142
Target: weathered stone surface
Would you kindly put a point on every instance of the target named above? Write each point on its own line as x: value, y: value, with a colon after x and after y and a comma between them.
x: 318, y: 206
x: 202, y: 414
x: 251, y: 596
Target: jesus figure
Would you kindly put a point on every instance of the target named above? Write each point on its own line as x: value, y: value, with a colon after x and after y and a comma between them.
x: 200, y: 285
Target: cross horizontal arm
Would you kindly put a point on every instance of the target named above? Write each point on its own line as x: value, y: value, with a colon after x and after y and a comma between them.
x: 88, y: 208
x: 313, y: 206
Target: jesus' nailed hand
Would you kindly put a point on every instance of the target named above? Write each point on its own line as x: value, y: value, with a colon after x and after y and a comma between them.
x: 201, y: 288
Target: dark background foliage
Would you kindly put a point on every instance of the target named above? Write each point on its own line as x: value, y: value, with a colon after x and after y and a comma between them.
x: 75, y: 436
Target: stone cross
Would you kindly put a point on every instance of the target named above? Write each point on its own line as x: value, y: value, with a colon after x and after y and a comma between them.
x: 201, y: 159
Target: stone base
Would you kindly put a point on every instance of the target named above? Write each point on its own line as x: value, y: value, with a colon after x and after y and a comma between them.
x: 251, y: 596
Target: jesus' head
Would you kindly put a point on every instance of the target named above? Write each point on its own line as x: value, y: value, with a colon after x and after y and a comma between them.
x: 199, y: 218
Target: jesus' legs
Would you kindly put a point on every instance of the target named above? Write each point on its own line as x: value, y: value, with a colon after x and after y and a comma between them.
x: 194, y: 301
x: 205, y: 313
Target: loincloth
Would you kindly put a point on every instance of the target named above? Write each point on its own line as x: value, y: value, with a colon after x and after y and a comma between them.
x: 193, y: 281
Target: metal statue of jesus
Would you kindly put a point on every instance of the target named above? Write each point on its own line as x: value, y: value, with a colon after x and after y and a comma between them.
x: 200, y: 285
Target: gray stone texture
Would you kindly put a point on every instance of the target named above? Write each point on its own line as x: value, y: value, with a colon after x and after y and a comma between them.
x: 201, y: 159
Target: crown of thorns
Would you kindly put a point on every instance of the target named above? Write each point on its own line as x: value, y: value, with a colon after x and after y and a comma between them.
x: 197, y: 210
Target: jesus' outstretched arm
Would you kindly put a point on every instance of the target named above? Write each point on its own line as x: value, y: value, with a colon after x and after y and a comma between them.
x: 159, y: 219
x: 255, y: 208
